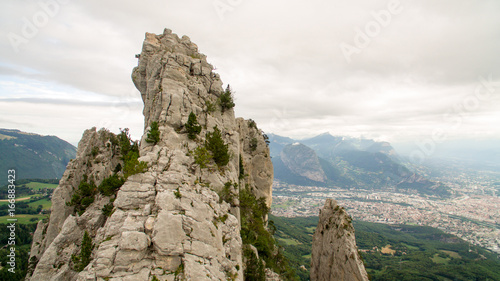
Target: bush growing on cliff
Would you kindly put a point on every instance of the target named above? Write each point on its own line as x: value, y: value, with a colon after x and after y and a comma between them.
x: 130, y: 155
x: 215, y: 144
x: 253, y: 232
x: 83, y: 196
x: 253, y: 144
x: 107, y: 209
x: 266, y: 139
x: 254, y: 270
x: 81, y: 260
x: 210, y: 107
x: 226, y: 194
x: 241, y: 174
x: 193, y: 128
x: 110, y: 185
x: 95, y: 151
x: 202, y: 157
x: 252, y: 124
x: 154, y: 133
x: 226, y: 100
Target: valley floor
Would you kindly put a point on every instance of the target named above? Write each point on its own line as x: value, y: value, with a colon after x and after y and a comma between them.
x: 473, y: 213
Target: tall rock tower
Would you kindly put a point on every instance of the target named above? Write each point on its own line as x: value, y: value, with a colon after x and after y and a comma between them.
x: 334, y: 251
x: 173, y: 213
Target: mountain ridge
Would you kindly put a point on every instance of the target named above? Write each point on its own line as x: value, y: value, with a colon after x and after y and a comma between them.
x: 34, y: 155
x: 351, y: 163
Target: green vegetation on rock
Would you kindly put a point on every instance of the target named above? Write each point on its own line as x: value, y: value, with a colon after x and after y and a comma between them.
x: 193, y: 128
x: 253, y: 144
x: 202, y: 157
x: 254, y: 232
x: 81, y: 260
x: 226, y: 100
x: 110, y: 185
x: 83, y: 196
x: 107, y: 210
x: 215, y: 144
x: 241, y: 173
x: 254, y: 270
x: 130, y: 154
x: 154, y: 133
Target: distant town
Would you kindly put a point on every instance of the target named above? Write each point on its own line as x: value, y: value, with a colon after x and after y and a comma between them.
x: 472, y: 213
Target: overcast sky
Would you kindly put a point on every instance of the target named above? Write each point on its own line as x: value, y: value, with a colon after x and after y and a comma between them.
x: 389, y: 70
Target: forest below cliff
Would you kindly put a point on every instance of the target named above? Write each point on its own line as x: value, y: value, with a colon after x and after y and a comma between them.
x: 394, y: 252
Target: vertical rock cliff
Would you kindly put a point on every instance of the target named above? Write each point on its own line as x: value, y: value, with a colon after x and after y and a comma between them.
x: 173, y: 213
x: 334, y: 251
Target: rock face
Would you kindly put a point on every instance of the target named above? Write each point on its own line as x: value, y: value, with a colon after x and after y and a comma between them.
x: 54, y: 242
x: 169, y: 221
x: 303, y: 161
x: 334, y: 251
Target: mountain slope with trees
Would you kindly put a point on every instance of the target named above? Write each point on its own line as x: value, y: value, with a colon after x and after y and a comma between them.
x: 34, y: 156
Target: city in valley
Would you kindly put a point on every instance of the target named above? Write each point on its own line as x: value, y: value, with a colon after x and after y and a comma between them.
x: 471, y: 213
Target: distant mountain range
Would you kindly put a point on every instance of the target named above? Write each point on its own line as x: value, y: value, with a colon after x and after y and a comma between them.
x: 461, y: 154
x: 34, y: 156
x: 324, y: 160
x: 344, y: 162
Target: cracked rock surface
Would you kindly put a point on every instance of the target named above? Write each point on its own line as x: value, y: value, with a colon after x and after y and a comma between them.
x: 334, y: 252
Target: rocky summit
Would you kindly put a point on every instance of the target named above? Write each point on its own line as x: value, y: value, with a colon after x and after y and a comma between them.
x: 334, y: 252
x: 172, y: 212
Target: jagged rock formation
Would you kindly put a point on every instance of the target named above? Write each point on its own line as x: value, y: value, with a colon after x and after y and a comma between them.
x: 255, y: 153
x: 168, y: 221
x: 54, y: 242
x: 334, y: 251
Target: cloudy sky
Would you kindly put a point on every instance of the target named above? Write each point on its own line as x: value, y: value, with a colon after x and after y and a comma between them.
x: 389, y: 70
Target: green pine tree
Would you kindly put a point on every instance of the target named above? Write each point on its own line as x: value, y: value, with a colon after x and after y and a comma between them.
x: 226, y: 100
x: 154, y: 133
x: 193, y: 128
x: 215, y: 144
x: 83, y: 259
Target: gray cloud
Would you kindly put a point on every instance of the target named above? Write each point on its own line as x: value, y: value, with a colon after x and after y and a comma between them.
x: 63, y: 102
x: 282, y: 58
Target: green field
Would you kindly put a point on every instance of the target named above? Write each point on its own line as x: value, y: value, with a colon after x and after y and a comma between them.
x: 46, y: 203
x: 437, y: 258
x: 310, y: 229
x: 40, y: 185
x: 288, y: 241
x: 23, y: 218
